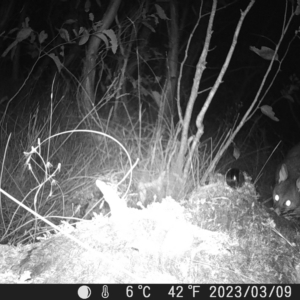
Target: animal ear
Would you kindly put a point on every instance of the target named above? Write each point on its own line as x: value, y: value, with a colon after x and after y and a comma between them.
x: 283, y: 173
x: 298, y: 184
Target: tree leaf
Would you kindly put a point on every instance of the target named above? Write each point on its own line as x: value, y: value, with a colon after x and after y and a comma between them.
x: 99, y: 3
x: 70, y: 21
x: 23, y: 34
x: 81, y: 30
x: 42, y: 36
x: 297, y: 11
x: 161, y: 12
x: 268, y: 111
x: 84, y: 38
x: 64, y: 34
x: 56, y: 60
x: 113, y: 39
x: 62, y: 51
x: 149, y: 26
x: 91, y: 17
x: 13, y: 44
x: 156, y: 97
x: 13, y: 30
x: 288, y: 97
x: 236, y: 152
x: 87, y: 6
x: 103, y: 38
x: 264, y: 52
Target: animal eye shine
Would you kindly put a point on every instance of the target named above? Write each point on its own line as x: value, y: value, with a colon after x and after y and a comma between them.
x: 286, y: 191
x: 288, y: 203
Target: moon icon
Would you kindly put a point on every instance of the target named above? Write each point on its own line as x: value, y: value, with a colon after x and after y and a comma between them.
x: 84, y: 292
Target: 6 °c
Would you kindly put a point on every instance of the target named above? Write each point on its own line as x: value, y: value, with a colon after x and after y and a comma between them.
x: 146, y: 290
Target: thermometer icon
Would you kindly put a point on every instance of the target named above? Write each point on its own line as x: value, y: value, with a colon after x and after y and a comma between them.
x: 105, y: 293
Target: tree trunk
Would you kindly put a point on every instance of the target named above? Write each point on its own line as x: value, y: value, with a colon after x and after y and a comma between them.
x: 166, y: 110
x: 87, y: 96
